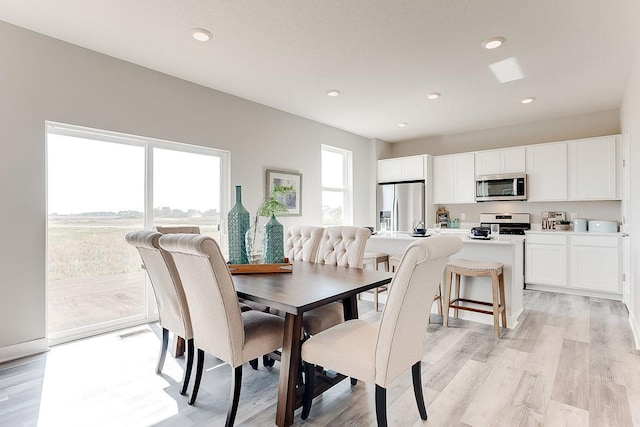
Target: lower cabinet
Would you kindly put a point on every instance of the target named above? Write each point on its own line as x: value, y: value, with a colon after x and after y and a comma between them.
x: 574, y: 262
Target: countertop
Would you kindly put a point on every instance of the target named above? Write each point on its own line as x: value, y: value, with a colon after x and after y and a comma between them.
x: 572, y: 233
x: 463, y: 234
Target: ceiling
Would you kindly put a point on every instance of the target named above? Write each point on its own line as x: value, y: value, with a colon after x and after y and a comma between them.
x: 384, y: 56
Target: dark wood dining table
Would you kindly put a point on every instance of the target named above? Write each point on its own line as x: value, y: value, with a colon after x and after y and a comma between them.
x: 309, y: 286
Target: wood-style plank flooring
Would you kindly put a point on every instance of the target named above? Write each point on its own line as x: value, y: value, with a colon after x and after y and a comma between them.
x: 570, y: 362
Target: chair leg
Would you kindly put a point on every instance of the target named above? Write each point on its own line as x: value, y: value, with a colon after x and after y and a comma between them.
x: 381, y: 406
x: 196, y: 384
x: 307, y: 398
x: 455, y: 310
x: 236, y: 379
x: 163, y: 350
x: 416, y: 371
x: 189, y: 367
x: 254, y: 364
x: 496, y: 304
x: 375, y: 298
x: 354, y: 381
x: 268, y: 361
x: 439, y: 301
x: 447, y: 298
x: 503, y: 301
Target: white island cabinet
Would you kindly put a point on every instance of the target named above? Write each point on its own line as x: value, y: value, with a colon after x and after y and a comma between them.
x: 508, y: 250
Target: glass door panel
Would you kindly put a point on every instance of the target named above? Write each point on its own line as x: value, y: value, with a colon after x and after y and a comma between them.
x: 95, y: 197
x: 186, y: 190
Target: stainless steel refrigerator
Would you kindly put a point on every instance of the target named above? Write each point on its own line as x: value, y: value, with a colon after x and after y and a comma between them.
x: 400, y: 206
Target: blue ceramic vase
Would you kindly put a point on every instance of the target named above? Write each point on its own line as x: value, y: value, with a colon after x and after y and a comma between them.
x: 237, y: 225
x: 273, y: 241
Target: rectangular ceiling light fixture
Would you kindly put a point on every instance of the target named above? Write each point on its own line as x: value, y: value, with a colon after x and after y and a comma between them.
x: 507, y: 70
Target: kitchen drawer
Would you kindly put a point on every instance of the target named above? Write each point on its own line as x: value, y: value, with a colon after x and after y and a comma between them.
x: 546, y: 239
x: 598, y: 241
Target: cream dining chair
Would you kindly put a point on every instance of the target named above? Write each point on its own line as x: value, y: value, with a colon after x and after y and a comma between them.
x: 342, y: 246
x: 380, y: 352
x: 301, y: 243
x: 219, y: 327
x: 173, y: 310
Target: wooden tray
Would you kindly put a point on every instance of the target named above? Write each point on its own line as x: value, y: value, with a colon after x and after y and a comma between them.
x: 285, y: 267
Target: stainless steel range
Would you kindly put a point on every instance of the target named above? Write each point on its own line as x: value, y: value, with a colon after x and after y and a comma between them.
x: 510, y: 223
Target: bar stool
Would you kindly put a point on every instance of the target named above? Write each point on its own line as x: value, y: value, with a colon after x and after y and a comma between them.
x: 376, y: 258
x: 394, y: 262
x: 463, y: 267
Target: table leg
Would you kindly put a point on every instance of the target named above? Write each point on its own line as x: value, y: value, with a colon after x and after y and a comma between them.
x: 289, y: 362
x: 350, y: 306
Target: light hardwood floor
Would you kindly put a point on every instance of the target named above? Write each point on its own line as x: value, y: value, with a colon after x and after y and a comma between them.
x: 570, y: 362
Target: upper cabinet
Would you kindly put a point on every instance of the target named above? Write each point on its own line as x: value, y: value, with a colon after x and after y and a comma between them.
x: 401, y: 169
x: 495, y: 162
x: 547, y: 172
x: 593, y: 172
x: 454, y: 179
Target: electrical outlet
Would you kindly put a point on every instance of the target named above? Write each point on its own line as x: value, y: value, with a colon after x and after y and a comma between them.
x: 573, y: 216
x: 462, y: 217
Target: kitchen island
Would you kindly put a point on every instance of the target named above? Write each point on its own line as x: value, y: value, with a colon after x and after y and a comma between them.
x: 508, y: 250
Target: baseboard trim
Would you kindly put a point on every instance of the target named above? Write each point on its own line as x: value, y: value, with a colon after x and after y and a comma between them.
x: 635, y: 328
x: 24, y: 349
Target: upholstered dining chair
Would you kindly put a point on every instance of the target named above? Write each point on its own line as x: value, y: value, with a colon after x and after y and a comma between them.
x: 173, y: 310
x: 380, y: 352
x: 176, y: 229
x: 342, y: 246
x: 219, y: 327
x: 301, y: 243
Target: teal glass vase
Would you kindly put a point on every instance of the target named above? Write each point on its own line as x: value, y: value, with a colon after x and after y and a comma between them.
x: 237, y: 226
x: 273, y: 242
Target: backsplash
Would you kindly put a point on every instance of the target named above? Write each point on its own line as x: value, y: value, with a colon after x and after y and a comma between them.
x: 604, y: 210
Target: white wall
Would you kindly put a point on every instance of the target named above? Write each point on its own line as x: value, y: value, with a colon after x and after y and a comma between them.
x: 45, y: 79
x: 630, y: 123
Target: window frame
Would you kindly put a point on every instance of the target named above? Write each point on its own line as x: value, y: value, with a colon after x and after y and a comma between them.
x: 347, y: 190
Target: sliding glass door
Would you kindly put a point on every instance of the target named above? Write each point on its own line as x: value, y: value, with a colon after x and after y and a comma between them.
x: 100, y: 187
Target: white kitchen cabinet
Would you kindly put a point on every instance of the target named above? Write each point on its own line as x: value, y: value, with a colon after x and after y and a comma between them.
x: 401, y: 169
x: 547, y: 172
x: 595, y: 263
x: 580, y: 264
x: 454, y: 179
x: 546, y: 260
x: 494, y: 162
x: 592, y: 166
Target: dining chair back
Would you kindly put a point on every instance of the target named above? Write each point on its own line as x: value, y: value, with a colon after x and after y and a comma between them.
x: 380, y: 352
x: 219, y: 326
x: 342, y: 246
x: 301, y: 243
x: 173, y: 311
x: 176, y: 229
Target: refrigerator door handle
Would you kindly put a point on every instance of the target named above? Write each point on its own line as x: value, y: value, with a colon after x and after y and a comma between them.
x: 395, y: 214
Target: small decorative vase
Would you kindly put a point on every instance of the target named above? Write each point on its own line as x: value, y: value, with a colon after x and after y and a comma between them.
x: 273, y: 241
x: 238, y: 224
x: 254, y: 241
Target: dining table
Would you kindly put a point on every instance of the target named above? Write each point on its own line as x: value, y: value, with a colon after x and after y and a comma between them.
x: 307, y: 286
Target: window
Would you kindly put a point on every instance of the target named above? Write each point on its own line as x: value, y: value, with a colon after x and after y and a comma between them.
x: 100, y: 186
x: 336, y: 186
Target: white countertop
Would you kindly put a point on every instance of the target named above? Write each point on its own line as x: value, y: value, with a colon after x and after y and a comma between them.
x: 572, y: 233
x: 459, y: 232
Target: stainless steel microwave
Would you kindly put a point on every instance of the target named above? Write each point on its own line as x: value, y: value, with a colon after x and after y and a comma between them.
x: 501, y: 187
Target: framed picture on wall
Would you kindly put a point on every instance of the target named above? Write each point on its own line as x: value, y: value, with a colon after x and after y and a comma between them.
x: 293, y: 200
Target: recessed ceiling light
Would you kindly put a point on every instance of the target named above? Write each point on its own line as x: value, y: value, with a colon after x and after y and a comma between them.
x: 493, y: 42
x: 201, y: 34
x: 528, y: 100
x: 333, y: 92
x: 434, y: 95
x: 403, y: 124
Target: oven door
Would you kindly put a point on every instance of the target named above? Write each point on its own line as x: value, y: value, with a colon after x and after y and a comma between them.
x: 501, y: 187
